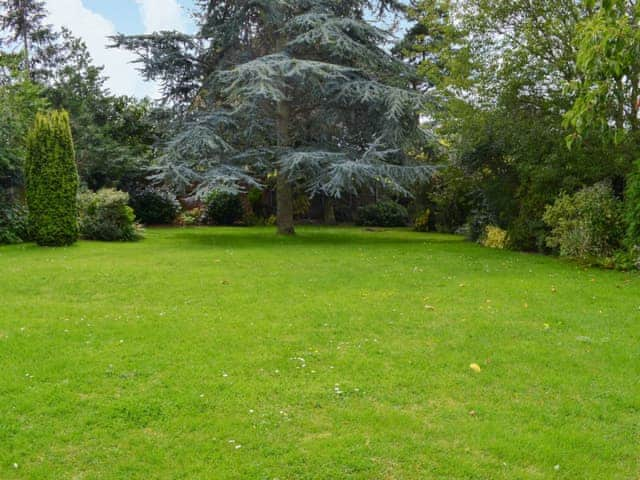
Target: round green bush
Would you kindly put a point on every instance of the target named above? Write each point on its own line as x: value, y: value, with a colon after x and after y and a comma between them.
x: 154, y: 207
x: 106, y: 216
x: 587, y: 225
x: 52, y: 181
x: 383, y: 214
x: 223, y: 209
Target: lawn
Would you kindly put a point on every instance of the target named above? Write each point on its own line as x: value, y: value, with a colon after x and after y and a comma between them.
x: 338, y: 354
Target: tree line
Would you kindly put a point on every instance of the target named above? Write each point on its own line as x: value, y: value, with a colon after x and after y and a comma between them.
x: 473, y: 113
x: 539, y: 101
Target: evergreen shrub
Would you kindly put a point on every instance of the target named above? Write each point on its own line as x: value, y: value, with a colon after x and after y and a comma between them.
x: 223, y: 209
x: 52, y: 181
x: 154, y: 207
x: 383, y: 214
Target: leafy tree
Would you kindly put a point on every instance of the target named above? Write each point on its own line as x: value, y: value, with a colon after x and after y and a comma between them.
x: 437, y: 46
x: 20, y: 99
x: 24, y: 20
x: 113, y: 135
x: 301, y: 87
x: 502, y: 69
x: 52, y: 181
x: 607, y: 89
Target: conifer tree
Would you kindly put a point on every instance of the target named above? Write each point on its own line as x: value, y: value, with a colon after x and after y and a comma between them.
x: 300, y: 88
x: 52, y: 181
x: 24, y: 24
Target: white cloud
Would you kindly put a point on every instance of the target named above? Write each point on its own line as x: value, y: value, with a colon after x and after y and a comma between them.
x: 159, y: 15
x: 95, y: 29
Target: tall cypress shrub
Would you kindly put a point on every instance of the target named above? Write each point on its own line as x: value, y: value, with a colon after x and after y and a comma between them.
x: 52, y: 181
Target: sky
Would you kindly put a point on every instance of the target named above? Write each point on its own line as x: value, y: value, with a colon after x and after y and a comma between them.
x: 95, y: 20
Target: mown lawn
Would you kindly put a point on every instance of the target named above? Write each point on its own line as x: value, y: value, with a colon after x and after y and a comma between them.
x: 338, y: 354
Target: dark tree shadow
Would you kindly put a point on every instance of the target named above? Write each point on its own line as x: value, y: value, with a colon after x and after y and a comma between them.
x: 240, y: 237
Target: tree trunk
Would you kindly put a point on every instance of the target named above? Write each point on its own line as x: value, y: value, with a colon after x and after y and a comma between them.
x: 25, y: 41
x: 284, y: 192
x: 27, y: 57
x: 329, y: 212
x: 284, y: 198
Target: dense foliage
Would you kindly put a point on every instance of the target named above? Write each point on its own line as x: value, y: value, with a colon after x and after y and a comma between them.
x: 106, y: 215
x: 314, y: 109
x: 23, y: 22
x: 114, y: 136
x: 301, y: 87
x: 52, y: 181
x: 383, y: 214
x: 154, y: 207
x: 494, y: 237
x: 42, y: 68
x: 14, y: 223
x: 20, y: 100
x: 538, y: 98
x: 223, y: 208
x: 632, y: 211
x: 587, y: 225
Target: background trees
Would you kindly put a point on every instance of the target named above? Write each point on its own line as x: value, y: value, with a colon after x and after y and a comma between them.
x: 114, y: 136
x: 521, y: 103
x: 300, y: 88
x: 20, y: 99
x: 23, y: 23
x: 540, y: 98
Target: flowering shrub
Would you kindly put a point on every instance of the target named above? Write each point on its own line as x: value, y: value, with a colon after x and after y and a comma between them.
x: 421, y: 223
x: 494, y: 237
x: 106, y: 216
x: 191, y: 217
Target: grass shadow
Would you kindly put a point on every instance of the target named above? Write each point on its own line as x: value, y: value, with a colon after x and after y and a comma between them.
x: 239, y: 237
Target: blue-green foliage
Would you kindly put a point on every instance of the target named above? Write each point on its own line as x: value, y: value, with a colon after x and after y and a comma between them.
x: 299, y: 86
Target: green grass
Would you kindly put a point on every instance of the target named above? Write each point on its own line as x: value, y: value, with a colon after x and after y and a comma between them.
x: 236, y: 354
